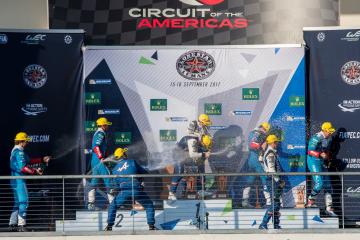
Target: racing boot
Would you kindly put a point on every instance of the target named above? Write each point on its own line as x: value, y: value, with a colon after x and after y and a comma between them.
x: 108, y: 228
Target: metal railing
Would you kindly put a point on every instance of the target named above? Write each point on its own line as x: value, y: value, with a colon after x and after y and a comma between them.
x: 204, y: 202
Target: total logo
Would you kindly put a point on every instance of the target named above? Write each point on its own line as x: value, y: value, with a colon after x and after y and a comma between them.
x: 33, y: 109
x: 352, y: 36
x: 34, y: 39
x: 201, y: 2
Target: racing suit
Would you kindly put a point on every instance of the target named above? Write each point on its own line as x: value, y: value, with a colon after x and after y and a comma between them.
x: 194, y: 158
x: 272, y: 165
x: 97, y: 167
x: 194, y: 155
x: 20, y: 165
x: 130, y: 187
x: 318, y: 144
x: 257, y: 138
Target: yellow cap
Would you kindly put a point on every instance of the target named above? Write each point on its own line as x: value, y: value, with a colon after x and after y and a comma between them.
x: 103, y: 121
x: 204, y: 119
x: 119, y: 152
x: 272, y: 138
x: 22, y: 136
x: 206, y: 141
x: 328, y: 127
x: 266, y: 126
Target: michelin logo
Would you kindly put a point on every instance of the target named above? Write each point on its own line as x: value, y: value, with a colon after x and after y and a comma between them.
x: 349, y: 105
x: 176, y: 119
x: 217, y: 127
x: 241, y: 113
x: 100, y: 81
x: 292, y: 147
x: 108, y: 111
x: 292, y: 119
x: 39, y: 138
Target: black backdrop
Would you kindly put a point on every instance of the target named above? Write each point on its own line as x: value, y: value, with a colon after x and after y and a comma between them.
x: 50, y: 112
x: 334, y: 95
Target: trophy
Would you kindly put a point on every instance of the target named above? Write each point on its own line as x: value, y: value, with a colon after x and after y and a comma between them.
x: 222, y: 186
x: 300, y: 197
x: 257, y: 203
x: 191, y: 182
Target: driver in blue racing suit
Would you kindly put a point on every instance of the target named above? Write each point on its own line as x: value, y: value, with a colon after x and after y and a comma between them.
x: 20, y: 165
x: 257, y: 146
x: 316, y: 160
x: 97, y: 162
x: 129, y: 188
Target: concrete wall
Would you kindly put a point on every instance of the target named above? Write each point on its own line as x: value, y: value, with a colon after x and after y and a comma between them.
x: 24, y: 14
x: 350, y: 13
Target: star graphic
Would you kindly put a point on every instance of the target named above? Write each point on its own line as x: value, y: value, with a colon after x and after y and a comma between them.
x: 194, y: 65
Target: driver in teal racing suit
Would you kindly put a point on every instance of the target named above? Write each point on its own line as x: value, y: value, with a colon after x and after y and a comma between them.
x: 316, y: 159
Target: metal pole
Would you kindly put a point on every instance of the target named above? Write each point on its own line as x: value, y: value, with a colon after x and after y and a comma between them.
x: 63, y: 203
x: 342, y: 202
x: 133, y: 202
x: 273, y: 200
x: 202, y: 203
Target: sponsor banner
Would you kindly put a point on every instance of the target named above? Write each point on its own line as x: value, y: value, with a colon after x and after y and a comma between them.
x: 123, y: 138
x: 194, y: 22
x: 43, y: 96
x: 213, y: 108
x: 166, y: 89
x: 334, y: 85
x: 158, y: 104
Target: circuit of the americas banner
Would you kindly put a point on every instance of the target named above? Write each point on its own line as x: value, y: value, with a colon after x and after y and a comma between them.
x: 192, y: 22
x: 152, y: 94
x: 334, y: 86
x: 42, y: 96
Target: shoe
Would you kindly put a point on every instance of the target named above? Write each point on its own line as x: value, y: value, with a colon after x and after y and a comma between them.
x: 172, y: 197
x: 311, y: 203
x: 13, y: 228
x: 263, y: 226
x: 277, y: 227
x: 92, y: 207
x: 330, y: 212
x: 108, y: 228
x: 246, y: 204
x: 152, y: 227
x: 22, y: 228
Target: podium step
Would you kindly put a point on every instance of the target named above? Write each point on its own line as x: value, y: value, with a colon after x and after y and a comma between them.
x: 194, y: 214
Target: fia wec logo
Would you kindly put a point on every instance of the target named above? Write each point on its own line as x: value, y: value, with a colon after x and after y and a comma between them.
x: 353, y: 35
